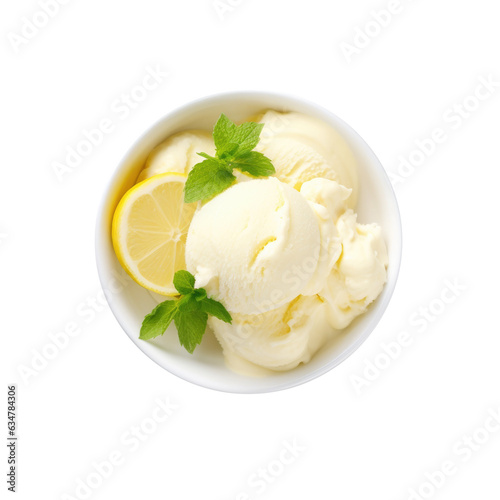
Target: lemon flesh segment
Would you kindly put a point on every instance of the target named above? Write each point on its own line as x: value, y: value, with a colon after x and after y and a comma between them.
x: 149, y: 232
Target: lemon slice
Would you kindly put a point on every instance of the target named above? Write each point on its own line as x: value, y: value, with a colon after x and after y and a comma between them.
x: 149, y: 231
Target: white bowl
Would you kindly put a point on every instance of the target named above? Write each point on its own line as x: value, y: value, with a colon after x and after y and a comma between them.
x: 130, y: 302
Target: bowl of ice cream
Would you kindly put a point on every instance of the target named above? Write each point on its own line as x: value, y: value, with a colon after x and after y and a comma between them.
x: 304, y: 259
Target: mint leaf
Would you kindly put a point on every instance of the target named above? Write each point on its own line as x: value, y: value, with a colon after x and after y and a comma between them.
x: 184, y: 282
x: 223, y: 133
x: 255, y: 164
x: 230, y: 138
x: 189, y: 303
x: 216, y: 309
x: 208, y: 178
x: 191, y: 327
x: 204, y: 155
x: 247, y: 136
x: 200, y: 293
x: 234, y: 145
x: 158, y: 320
x: 189, y: 312
x: 229, y: 151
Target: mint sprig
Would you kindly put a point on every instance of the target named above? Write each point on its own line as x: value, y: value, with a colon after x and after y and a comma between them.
x: 234, y: 149
x: 189, y: 313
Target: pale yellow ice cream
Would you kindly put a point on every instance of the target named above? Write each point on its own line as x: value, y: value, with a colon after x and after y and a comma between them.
x: 178, y: 153
x: 257, y: 246
x: 360, y: 273
x: 289, y: 301
x: 277, y: 340
x: 285, y: 254
x: 303, y: 148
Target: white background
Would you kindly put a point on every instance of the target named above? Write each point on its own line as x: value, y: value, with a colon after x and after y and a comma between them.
x: 378, y: 442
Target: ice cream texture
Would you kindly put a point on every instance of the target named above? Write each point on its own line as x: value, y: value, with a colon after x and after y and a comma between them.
x: 244, y: 246
x: 284, y: 254
x: 178, y: 153
x: 303, y: 148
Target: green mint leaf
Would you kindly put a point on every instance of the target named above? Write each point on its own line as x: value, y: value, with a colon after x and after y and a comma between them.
x: 191, y: 327
x: 247, y: 136
x: 200, y: 294
x: 208, y: 178
x: 158, y: 320
x: 216, y: 309
x: 188, y: 303
x: 204, y: 155
x: 229, y: 151
x: 184, y: 282
x: 234, y: 145
x: 230, y: 139
x: 255, y: 164
x: 223, y: 133
x: 189, y: 312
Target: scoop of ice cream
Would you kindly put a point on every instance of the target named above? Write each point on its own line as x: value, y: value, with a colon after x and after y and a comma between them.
x: 285, y: 255
x: 303, y: 148
x: 255, y: 247
x: 279, y: 339
x: 325, y: 198
x: 178, y: 153
x: 360, y: 274
x: 329, y: 194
